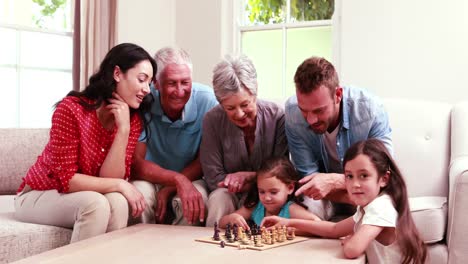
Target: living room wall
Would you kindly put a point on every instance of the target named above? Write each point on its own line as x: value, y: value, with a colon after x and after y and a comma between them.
x: 203, y: 28
x: 412, y: 49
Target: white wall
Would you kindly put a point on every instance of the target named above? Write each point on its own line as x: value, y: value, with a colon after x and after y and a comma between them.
x: 401, y: 48
x: 148, y: 23
x: 398, y: 48
x: 204, y: 28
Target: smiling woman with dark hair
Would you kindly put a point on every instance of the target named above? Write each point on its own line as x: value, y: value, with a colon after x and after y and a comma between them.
x: 80, y: 179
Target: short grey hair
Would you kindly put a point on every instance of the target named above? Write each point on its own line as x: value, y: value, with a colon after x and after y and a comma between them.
x: 232, y: 74
x: 169, y: 55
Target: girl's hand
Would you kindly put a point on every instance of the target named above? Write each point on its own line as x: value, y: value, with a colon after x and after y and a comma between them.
x: 235, y: 182
x: 134, y: 197
x: 121, y: 113
x: 238, y: 220
x: 274, y: 221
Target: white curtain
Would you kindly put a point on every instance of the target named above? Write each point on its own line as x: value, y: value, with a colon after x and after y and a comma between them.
x: 94, y: 35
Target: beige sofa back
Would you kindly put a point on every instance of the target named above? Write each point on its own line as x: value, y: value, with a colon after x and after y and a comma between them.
x: 421, y: 140
x: 19, y: 149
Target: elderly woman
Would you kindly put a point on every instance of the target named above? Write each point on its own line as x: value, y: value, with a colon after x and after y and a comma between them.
x: 238, y: 135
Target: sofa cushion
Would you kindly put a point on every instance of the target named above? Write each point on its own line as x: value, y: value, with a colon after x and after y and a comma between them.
x: 421, y: 142
x: 7, y: 203
x: 430, y: 217
x: 20, y: 148
x: 19, y: 240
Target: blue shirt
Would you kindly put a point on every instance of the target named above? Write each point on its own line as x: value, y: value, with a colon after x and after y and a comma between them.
x: 259, y: 212
x: 173, y: 145
x: 363, y: 116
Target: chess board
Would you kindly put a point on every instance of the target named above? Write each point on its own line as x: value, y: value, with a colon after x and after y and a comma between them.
x: 237, y: 244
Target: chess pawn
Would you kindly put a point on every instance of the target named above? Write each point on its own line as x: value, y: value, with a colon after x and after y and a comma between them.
x: 283, y: 235
x: 258, y: 241
x: 263, y: 233
x: 245, y: 240
x: 249, y: 233
x: 291, y: 234
x: 241, y: 233
x: 274, y: 235
x: 280, y: 235
x: 268, y: 239
x: 232, y: 238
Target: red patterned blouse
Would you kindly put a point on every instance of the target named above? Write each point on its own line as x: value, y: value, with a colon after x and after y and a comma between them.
x: 78, y: 144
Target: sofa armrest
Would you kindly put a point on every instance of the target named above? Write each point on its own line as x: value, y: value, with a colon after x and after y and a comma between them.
x: 457, y: 228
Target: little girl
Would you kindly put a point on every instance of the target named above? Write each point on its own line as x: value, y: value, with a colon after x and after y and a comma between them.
x: 276, y: 182
x: 382, y: 226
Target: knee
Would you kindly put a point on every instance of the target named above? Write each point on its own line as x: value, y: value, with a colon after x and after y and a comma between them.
x: 202, y: 189
x: 147, y: 189
x: 119, y: 211
x: 95, y: 205
x: 220, y: 194
x: 118, y: 203
x: 221, y: 199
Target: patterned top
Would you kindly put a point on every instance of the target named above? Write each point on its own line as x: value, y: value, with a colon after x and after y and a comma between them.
x: 78, y: 144
x: 259, y: 212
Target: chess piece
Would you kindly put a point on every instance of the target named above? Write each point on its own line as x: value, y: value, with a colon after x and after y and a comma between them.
x: 216, y: 235
x: 268, y: 238
x: 258, y: 241
x: 235, y: 230
x: 274, y: 235
x: 216, y: 232
x: 222, y: 244
x: 291, y: 234
x: 249, y: 233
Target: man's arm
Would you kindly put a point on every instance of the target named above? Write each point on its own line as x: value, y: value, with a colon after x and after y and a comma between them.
x: 192, y: 201
x: 380, y: 127
x: 143, y: 169
x: 193, y: 171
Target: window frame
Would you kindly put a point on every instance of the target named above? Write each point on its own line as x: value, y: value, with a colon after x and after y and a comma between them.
x: 284, y: 27
x: 20, y: 67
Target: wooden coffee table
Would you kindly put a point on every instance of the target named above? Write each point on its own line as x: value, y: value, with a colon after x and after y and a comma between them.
x: 146, y: 243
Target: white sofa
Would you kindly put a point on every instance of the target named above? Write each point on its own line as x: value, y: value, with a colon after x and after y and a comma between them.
x: 19, y: 149
x: 431, y: 147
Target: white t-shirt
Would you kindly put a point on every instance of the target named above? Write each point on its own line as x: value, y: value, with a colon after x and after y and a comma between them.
x: 379, y: 212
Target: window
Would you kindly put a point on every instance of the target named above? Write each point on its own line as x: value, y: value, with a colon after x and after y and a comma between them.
x: 279, y: 34
x: 36, y: 55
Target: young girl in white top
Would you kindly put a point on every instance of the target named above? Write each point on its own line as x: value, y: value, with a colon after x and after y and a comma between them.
x: 382, y: 226
x: 273, y: 195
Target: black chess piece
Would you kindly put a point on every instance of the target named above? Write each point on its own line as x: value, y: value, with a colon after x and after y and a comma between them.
x: 216, y: 235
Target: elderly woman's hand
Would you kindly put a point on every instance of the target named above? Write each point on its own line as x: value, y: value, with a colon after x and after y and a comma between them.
x: 236, y: 182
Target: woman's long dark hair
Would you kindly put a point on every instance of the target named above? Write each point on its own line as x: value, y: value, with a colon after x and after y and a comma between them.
x: 281, y: 168
x: 412, y: 247
x: 102, y: 84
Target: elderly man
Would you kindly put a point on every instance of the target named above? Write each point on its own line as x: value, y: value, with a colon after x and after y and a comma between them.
x: 167, y: 167
x: 322, y: 121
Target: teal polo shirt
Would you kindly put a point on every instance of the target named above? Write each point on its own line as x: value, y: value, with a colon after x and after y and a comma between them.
x: 173, y: 145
